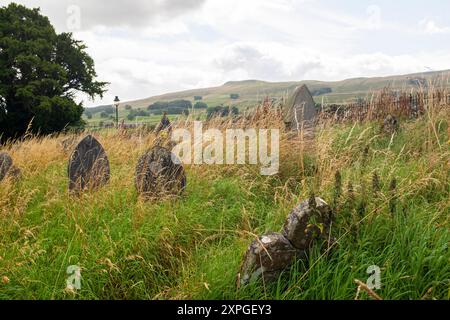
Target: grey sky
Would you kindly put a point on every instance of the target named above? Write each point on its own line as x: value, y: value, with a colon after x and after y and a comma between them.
x: 149, y: 47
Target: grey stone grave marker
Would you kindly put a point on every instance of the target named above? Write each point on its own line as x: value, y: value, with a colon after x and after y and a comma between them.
x: 272, y: 253
x: 158, y: 174
x: 88, y: 166
x: 6, y: 163
x: 300, y: 109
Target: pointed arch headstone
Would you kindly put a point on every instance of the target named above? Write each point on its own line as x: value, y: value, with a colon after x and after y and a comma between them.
x: 300, y: 109
x: 88, y: 167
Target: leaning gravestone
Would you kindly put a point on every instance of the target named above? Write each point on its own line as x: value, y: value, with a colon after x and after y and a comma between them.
x: 268, y: 256
x: 6, y: 163
x: 158, y: 173
x: 307, y: 222
x: 300, y: 109
x: 88, y: 166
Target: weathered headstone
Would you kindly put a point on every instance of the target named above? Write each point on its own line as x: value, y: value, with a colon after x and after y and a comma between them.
x: 390, y: 125
x: 269, y: 255
x: 300, y: 109
x: 158, y: 174
x: 6, y: 163
x: 88, y: 166
x: 307, y: 222
x: 266, y: 258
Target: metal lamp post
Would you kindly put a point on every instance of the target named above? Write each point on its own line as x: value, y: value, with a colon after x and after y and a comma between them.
x: 117, y: 102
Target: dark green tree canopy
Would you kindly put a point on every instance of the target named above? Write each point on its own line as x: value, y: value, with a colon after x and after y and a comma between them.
x: 221, y: 111
x: 171, y: 107
x: 40, y: 73
x: 200, y: 105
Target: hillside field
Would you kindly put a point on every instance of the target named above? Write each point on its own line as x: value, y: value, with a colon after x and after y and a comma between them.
x: 252, y: 92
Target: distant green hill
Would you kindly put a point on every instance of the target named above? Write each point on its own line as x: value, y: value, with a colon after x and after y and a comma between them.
x: 252, y: 91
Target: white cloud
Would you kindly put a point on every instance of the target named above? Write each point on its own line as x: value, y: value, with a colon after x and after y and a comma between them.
x: 430, y: 26
x: 113, y: 13
x: 149, y: 47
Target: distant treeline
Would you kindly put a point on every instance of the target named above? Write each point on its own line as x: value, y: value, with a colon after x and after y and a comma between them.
x: 221, y: 111
x: 175, y: 107
x: 321, y: 91
x: 105, y: 111
x: 137, y: 113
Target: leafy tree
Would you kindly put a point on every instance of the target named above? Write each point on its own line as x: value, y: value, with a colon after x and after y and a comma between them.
x: 107, y: 108
x: 171, y: 107
x: 137, y: 113
x: 142, y: 113
x: 234, y: 96
x: 160, y: 105
x: 200, y: 105
x: 104, y: 114
x: 40, y: 73
x: 221, y: 111
x: 180, y: 104
x: 128, y: 107
x: 198, y: 98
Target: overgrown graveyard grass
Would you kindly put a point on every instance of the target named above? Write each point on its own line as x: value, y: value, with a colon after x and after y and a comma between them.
x: 191, y: 247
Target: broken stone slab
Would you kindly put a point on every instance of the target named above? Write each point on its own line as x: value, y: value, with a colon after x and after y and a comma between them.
x: 88, y: 167
x: 267, y: 257
x: 308, y: 222
x: 159, y: 173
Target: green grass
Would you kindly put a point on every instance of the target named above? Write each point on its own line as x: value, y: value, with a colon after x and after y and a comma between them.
x: 191, y: 247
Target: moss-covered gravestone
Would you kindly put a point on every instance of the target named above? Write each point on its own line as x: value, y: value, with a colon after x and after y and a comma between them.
x: 159, y: 173
x: 272, y: 253
x: 266, y: 258
x: 88, y: 166
x: 307, y: 222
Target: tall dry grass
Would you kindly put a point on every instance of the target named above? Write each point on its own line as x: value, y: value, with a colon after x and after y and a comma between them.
x: 131, y: 248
